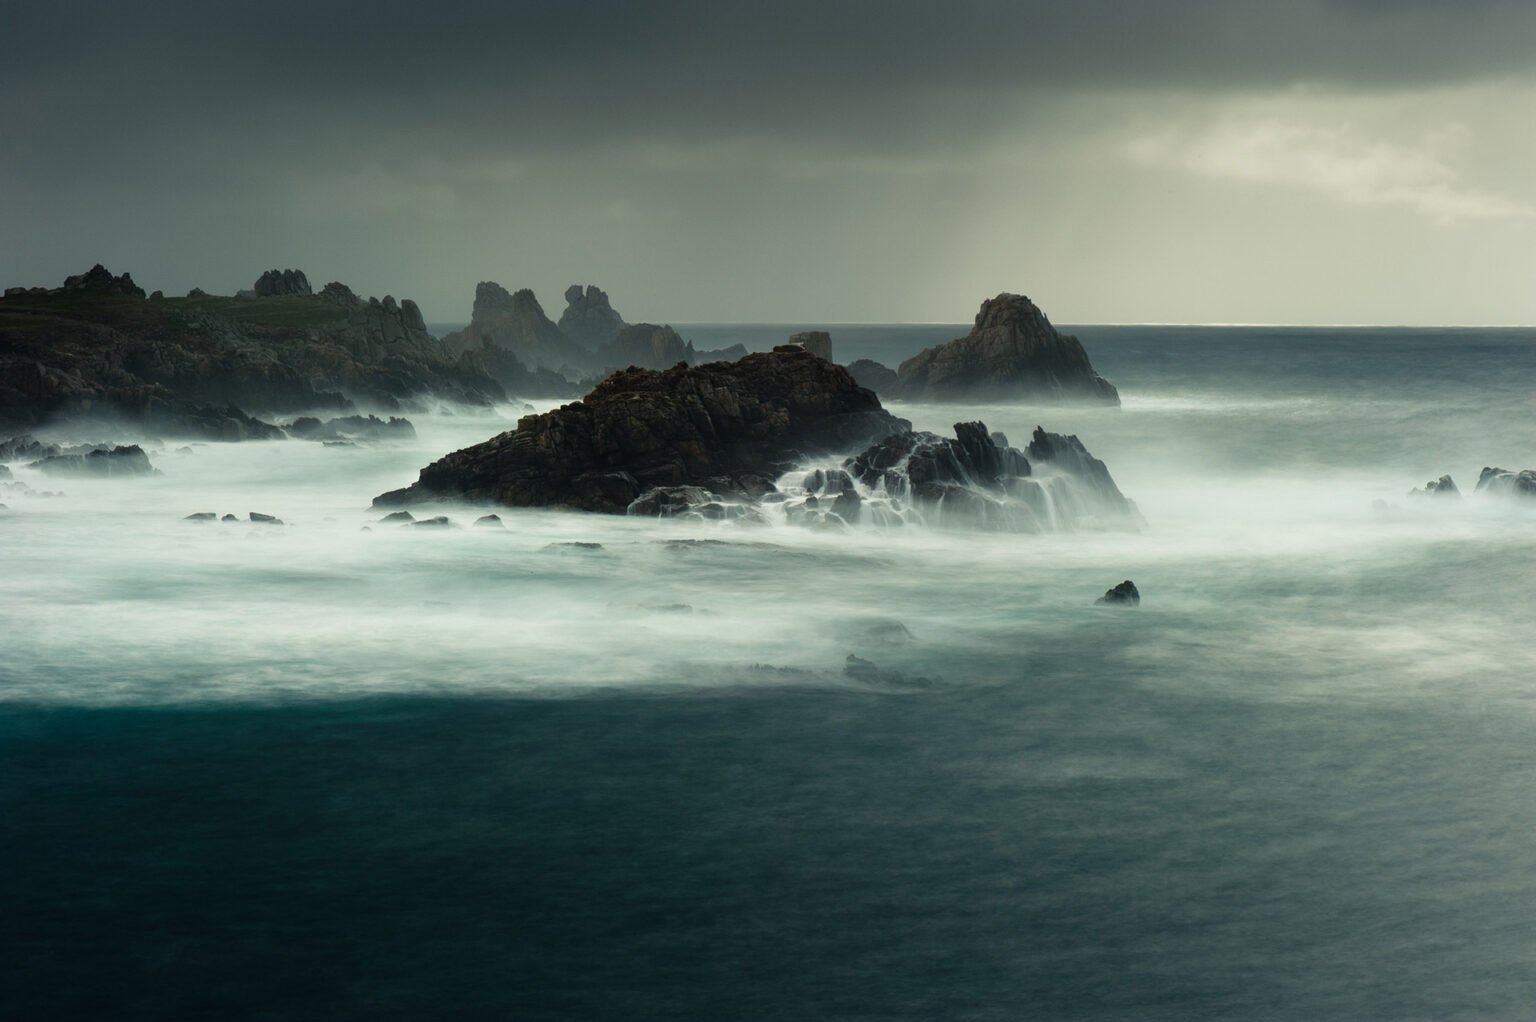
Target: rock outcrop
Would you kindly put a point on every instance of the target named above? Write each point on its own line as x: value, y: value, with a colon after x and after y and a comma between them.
x: 817, y: 342
x: 277, y: 283
x: 722, y: 427
x: 878, y: 378
x: 352, y: 427
x: 1499, y: 482
x: 1011, y: 354
x: 1123, y: 595
x: 647, y: 346
x: 589, y: 319
x: 99, y: 278
x: 515, y: 322
x: 1442, y: 487
x: 119, y: 461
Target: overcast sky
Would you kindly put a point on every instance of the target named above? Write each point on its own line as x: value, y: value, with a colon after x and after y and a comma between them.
x: 1313, y: 161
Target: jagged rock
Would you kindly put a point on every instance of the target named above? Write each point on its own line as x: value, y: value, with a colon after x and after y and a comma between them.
x: 351, y: 427
x: 1504, y: 483
x: 202, y: 516
x: 647, y: 346
x: 337, y: 293
x: 730, y: 354
x: 1442, y: 487
x: 588, y: 319
x: 26, y: 448
x: 817, y: 342
x: 99, y: 278
x: 1068, y: 455
x: 275, y: 283
x: 119, y: 461
x: 878, y: 378
x: 1012, y: 353
x: 691, y: 502
x: 261, y: 519
x: 516, y: 323
x: 1122, y: 595
x: 641, y: 429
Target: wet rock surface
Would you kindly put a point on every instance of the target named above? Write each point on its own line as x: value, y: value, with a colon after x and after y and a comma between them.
x: 641, y: 429
x: 1123, y: 595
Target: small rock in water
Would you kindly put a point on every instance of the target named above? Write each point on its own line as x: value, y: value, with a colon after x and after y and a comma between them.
x: 201, y: 516
x: 261, y: 519
x: 397, y: 516
x: 1123, y: 595
x: 577, y: 545
x: 1442, y: 487
x: 437, y: 522
x: 229, y: 518
x: 888, y: 630
x: 859, y: 669
x: 489, y: 522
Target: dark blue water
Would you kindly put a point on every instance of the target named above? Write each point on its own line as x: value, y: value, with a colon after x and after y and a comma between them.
x: 322, y: 774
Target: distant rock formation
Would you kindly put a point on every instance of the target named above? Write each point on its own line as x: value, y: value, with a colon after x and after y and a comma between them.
x: 1442, y: 487
x: 817, y: 342
x: 878, y: 378
x: 1500, y: 482
x: 276, y: 283
x: 589, y: 319
x: 1012, y: 353
x: 729, y: 354
x: 119, y: 461
x: 724, y: 427
x: 352, y: 427
x: 99, y: 278
x: 647, y: 346
x: 516, y: 322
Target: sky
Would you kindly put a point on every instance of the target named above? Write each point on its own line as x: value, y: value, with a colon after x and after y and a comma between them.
x: 1188, y: 161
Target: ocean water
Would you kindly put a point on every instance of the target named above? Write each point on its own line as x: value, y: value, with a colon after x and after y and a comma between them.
x: 339, y: 769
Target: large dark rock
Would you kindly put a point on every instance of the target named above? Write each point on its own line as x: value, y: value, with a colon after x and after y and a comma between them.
x: 647, y: 346
x: 713, y: 425
x: 1501, y: 482
x: 1012, y: 353
x: 878, y: 378
x: 588, y: 319
x: 1123, y: 595
x: 99, y: 278
x: 277, y: 283
x: 119, y: 461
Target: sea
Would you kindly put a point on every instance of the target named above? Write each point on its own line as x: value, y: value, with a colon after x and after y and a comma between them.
x: 593, y: 767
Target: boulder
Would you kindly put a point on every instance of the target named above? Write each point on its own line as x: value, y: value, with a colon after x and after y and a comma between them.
x: 1011, y: 354
x: 1122, y: 595
x: 261, y: 519
x: 878, y: 378
x: 489, y: 522
x: 278, y: 283
x: 1501, y: 482
x: 588, y: 319
x: 641, y: 429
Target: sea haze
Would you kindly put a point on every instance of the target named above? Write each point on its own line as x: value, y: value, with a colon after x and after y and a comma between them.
x: 584, y: 766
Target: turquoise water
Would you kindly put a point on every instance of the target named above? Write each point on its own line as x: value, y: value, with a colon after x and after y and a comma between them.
x: 317, y: 772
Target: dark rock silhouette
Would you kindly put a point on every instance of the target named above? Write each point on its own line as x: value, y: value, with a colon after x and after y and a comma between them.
x: 647, y: 346
x: 352, y: 427
x: 119, y: 461
x: 728, y: 354
x: 26, y: 448
x: 1067, y: 454
x: 99, y: 278
x: 878, y: 378
x: 1122, y: 595
x: 1012, y: 353
x: 1501, y: 482
x: 515, y: 322
x: 589, y: 319
x: 1442, y: 487
x: 715, y: 426
x: 276, y: 283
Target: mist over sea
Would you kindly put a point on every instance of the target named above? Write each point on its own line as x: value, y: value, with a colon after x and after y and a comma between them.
x: 343, y: 769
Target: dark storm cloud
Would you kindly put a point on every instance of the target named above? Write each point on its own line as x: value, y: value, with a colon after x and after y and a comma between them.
x: 547, y: 77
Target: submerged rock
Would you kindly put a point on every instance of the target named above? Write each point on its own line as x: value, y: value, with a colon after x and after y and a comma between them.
x: 1012, y: 353
x: 202, y: 516
x: 1123, y: 595
x: 261, y: 519
x: 1501, y: 482
x: 397, y: 516
x: 438, y: 522
x: 641, y: 429
x: 489, y: 522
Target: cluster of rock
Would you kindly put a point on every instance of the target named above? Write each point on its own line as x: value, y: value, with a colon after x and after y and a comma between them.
x: 1012, y: 353
x: 197, y: 367
x: 254, y: 517
x: 278, y: 283
x: 351, y: 429
x: 405, y: 519
x: 1493, y: 481
x: 728, y: 427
